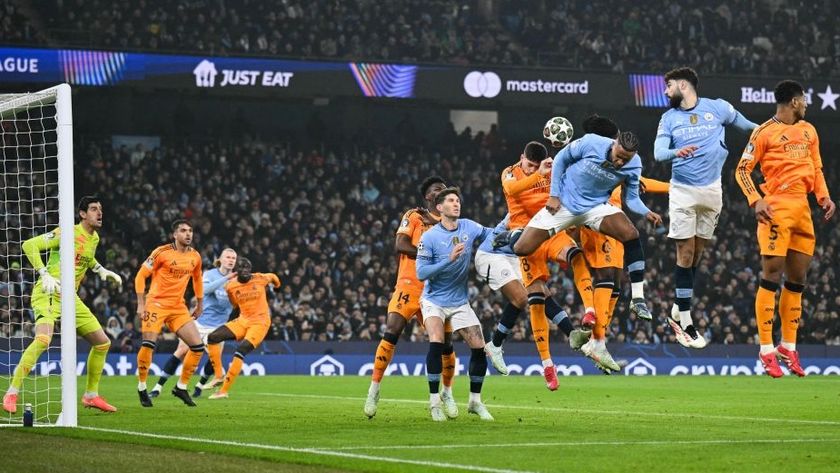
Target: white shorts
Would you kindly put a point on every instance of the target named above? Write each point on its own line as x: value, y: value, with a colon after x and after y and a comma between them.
x: 564, y: 219
x: 459, y: 317
x: 205, y: 331
x: 694, y: 210
x: 497, y: 270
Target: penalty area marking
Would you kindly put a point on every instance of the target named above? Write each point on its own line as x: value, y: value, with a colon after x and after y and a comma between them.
x: 311, y: 451
x: 576, y: 410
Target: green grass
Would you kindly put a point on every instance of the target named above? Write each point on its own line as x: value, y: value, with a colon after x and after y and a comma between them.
x: 591, y: 423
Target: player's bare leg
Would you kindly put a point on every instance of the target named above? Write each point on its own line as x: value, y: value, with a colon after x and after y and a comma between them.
x: 478, y: 367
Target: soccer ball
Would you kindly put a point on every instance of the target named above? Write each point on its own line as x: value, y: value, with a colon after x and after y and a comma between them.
x: 559, y: 131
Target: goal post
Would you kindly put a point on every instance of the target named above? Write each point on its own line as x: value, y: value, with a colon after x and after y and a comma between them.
x: 36, y: 142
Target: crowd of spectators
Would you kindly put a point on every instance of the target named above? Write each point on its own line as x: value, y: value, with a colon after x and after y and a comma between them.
x: 323, y: 218
x: 782, y: 37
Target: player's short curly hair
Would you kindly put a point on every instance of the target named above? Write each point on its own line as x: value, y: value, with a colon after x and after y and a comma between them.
x: 683, y: 73
x: 599, y: 125
x: 429, y: 182
x: 786, y: 90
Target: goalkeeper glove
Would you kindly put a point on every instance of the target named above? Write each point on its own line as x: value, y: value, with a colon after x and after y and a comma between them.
x: 49, y: 283
x: 106, y: 274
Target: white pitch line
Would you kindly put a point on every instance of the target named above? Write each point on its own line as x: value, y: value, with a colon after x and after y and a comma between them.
x: 614, y: 443
x: 577, y: 410
x: 312, y: 451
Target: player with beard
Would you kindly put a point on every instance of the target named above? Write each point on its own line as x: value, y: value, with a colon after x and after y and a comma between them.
x: 691, y: 136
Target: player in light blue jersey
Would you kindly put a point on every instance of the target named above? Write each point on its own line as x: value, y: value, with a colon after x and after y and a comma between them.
x: 691, y: 136
x: 500, y: 269
x: 443, y: 262
x: 217, y: 309
x: 583, y: 177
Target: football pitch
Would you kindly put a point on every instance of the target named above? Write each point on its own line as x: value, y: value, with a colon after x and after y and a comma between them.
x: 316, y: 424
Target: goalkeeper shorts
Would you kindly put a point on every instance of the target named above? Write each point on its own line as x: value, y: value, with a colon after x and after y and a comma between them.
x: 47, y: 310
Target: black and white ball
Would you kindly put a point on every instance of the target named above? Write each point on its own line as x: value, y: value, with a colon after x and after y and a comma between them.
x: 559, y: 131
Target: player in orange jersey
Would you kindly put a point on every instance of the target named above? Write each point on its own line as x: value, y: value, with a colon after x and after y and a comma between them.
x: 605, y: 256
x: 171, y: 266
x: 405, y: 302
x: 787, y: 148
x: 526, y: 187
x: 247, y: 295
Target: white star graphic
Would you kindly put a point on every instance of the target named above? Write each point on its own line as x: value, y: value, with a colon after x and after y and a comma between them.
x: 828, y: 98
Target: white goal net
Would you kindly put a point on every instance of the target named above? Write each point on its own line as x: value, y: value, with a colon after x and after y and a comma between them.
x: 36, y: 196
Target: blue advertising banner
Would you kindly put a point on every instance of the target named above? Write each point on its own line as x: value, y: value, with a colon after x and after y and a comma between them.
x: 415, y: 365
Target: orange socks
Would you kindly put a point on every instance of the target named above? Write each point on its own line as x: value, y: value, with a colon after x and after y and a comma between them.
x: 191, y: 360
x: 539, y: 324
x: 449, y: 364
x: 233, y: 372
x: 384, y: 355
x: 790, y: 310
x: 214, y: 350
x: 603, y: 294
x: 144, y: 360
x: 583, y: 280
x: 765, y: 308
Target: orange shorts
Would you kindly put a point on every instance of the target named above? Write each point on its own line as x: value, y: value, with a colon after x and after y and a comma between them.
x: 406, y: 299
x: 535, y: 266
x: 791, y: 229
x: 156, y: 315
x: 601, y: 251
x: 254, y: 332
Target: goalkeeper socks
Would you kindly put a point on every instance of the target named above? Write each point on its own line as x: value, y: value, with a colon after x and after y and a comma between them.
x: 449, y: 363
x: 233, y: 371
x: 384, y: 355
x: 765, y: 310
x: 506, y: 323
x: 790, y: 311
x: 557, y: 315
x: 28, y: 359
x: 144, y: 360
x: 95, y: 364
x: 539, y: 323
x: 583, y: 279
x: 191, y: 361
x: 214, y: 352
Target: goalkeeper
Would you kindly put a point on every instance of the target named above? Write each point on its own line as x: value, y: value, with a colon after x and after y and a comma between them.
x: 46, y: 303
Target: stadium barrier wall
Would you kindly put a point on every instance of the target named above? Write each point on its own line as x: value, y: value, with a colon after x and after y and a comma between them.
x: 456, y: 85
x: 356, y: 358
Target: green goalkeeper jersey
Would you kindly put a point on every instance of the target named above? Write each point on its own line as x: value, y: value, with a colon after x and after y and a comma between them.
x: 85, y: 254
